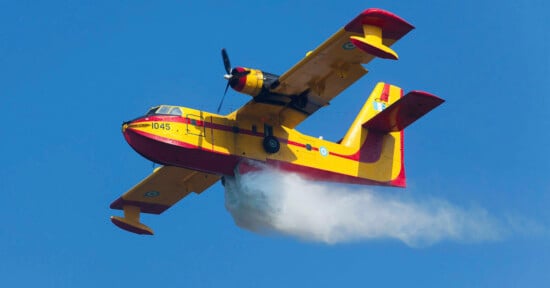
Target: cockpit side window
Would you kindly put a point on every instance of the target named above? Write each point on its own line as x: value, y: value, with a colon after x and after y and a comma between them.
x: 163, y: 110
x: 152, y: 110
x: 175, y: 111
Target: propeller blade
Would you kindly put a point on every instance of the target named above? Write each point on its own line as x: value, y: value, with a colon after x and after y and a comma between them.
x: 226, y: 62
x: 226, y: 87
x: 223, y: 97
x: 231, y: 76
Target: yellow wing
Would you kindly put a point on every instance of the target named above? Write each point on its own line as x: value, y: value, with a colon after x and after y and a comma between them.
x: 158, y: 192
x: 329, y: 69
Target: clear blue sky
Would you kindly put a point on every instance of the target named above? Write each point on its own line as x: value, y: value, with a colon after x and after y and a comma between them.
x: 72, y: 71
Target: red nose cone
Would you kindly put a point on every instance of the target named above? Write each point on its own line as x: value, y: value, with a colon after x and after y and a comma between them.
x: 129, y: 129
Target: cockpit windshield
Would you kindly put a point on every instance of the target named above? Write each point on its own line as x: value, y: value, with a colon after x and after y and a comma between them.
x: 165, y: 110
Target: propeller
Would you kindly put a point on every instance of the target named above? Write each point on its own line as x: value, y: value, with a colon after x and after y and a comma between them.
x: 232, y: 75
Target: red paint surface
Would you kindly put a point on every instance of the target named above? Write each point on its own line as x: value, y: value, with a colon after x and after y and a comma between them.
x: 370, y: 146
x: 322, y: 175
x: 164, y: 118
x: 393, y: 26
x: 370, y: 149
x: 401, y: 180
x: 239, y: 85
x: 168, y: 151
x: 386, y: 93
x: 176, y: 153
x: 403, y: 112
x: 373, y: 50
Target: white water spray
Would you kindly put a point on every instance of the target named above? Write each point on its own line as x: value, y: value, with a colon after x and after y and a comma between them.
x: 270, y: 201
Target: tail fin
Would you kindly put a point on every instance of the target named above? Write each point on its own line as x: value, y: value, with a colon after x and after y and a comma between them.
x: 377, y: 132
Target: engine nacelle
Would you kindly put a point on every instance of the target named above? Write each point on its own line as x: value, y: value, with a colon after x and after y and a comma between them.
x: 253, y: 83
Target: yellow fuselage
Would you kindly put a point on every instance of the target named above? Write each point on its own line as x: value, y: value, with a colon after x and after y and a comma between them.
x: 218, y: 144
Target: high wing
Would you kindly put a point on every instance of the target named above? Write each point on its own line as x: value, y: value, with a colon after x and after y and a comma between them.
x: 329, y: 69
x: 156, y: 193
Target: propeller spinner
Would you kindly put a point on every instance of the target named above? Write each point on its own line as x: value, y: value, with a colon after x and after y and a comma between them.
x: 232, y: 75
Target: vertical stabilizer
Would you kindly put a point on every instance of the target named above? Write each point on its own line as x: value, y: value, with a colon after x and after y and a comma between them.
x: 377, y: 132
x: 382, y: 96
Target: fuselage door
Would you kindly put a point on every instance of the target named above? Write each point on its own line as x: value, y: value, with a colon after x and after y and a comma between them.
x: 195, y: 125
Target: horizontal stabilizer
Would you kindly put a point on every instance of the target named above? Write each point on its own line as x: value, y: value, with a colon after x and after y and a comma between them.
x: 403, y: 112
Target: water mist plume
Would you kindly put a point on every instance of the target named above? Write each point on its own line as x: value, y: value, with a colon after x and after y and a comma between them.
x: 270, y: 201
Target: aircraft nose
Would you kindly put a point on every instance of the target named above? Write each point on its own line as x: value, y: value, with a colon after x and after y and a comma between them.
x: 124, y: 126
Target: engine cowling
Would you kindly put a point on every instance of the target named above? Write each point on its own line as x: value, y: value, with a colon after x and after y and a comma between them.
x: 254, y: 82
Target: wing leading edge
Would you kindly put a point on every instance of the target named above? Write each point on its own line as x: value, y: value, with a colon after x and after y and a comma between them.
x: 156, y: 193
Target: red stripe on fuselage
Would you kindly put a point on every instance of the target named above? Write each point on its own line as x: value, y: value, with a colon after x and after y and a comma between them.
x: 168, y: 151
x: 369, y: 151
x: 321, y: 175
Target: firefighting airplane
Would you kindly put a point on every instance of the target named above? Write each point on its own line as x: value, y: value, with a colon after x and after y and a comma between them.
x: 198, y: 148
